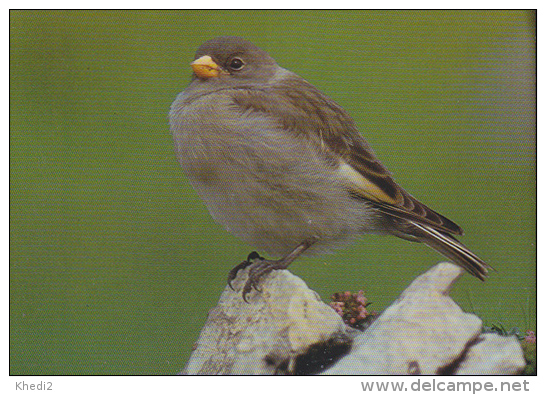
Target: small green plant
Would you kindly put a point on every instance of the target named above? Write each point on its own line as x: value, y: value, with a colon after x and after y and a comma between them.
x: 500, y: 329
x: 529, y: 345
x: 528, y: 341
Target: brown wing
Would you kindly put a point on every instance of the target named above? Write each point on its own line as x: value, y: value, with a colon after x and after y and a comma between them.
x: 303, y: 110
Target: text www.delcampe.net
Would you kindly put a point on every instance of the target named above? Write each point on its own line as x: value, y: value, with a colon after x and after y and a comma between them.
x: 444, y: 385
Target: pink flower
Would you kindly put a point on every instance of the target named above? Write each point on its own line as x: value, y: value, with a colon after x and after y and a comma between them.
x: 350, y: 306
x: 531, y: 337
x: 338, y: 307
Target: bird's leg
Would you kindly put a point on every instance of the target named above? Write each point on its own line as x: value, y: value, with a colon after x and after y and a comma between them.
x: 261, y: 267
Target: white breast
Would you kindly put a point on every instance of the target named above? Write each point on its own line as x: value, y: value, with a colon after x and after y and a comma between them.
x: 265, y: 185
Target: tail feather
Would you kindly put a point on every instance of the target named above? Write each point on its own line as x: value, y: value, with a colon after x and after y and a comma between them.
x: 453, y: 249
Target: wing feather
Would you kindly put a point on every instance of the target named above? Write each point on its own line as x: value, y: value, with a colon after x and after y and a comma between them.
x: 302, y: 109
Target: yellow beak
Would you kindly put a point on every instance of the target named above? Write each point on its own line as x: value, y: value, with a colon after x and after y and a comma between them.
x: 206, y: 68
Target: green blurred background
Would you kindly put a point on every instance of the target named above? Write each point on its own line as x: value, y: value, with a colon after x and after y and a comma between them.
x: 115, y: 262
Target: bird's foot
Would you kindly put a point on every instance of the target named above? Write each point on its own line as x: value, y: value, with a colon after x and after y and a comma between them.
x: 260, y: 267
x: 241, y: 266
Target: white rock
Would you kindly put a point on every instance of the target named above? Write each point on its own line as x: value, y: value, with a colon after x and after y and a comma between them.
x: 493, y: 355
x: 286, y: 328
x: 420, y: 333
x: 265, y: 335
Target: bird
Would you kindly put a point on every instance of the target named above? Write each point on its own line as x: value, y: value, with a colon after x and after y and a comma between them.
x: 284, y: 167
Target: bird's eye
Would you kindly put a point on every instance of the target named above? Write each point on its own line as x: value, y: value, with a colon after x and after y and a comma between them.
x: 236, y: 64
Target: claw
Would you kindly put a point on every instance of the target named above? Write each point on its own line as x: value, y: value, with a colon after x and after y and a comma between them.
x: 252, y: 256
x: 245, y: 293
x: 243, y: 265
x: 262, y: 267
x: 254, y: 277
